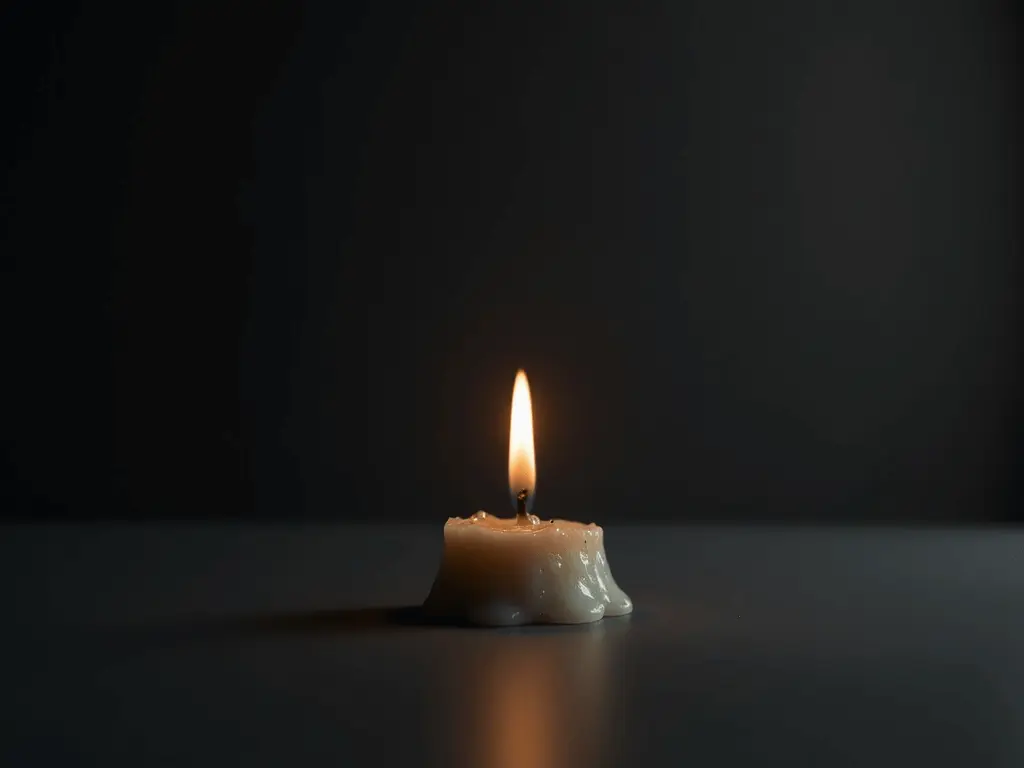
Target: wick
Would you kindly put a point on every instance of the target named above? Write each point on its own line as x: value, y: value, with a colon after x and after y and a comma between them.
x: 521, y: 498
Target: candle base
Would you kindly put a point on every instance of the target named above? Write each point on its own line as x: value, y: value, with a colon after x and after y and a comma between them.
x: 496, y: 572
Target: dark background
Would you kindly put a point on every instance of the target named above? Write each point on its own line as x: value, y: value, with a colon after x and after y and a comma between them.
x: 282, y: 260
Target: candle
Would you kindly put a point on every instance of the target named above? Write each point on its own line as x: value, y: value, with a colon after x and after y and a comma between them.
x: 523, y: 570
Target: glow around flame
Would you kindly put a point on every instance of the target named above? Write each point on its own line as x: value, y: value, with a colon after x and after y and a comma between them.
x: 522, y: 465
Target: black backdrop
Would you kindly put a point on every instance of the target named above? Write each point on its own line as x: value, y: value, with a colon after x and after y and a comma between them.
x: 282, y: 260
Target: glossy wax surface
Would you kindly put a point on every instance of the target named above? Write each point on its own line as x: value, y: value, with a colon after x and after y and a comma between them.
x: 497, y: 572
x: 275, y: 645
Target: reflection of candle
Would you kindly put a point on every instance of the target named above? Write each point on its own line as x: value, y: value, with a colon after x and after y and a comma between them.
x: 538, y: 700
x: 524, y: 570
x: 521, y: 712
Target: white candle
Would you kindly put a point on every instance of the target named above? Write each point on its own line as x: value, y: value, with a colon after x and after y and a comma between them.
x: 524, y: 570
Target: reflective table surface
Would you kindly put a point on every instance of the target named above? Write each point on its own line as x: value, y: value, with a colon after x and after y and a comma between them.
x: 295, y: 645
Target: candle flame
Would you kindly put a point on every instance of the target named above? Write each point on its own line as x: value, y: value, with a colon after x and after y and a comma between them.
x: 522, y: 466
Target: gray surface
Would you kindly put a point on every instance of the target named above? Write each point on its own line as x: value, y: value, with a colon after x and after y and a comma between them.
x: 245, y: 645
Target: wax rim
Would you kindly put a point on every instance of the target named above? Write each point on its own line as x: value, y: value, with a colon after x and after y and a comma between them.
x: 485, y: 522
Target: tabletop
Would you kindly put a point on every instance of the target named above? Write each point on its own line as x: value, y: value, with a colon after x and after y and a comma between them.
x: 175, y: 644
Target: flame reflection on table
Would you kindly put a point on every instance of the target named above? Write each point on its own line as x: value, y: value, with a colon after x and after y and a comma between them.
x: 536, y: 698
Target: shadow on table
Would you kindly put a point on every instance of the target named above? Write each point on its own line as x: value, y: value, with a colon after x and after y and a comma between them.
x: 340, y: 622
x: 204, y: 628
